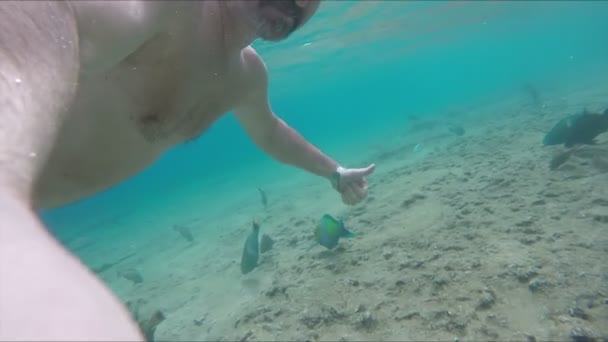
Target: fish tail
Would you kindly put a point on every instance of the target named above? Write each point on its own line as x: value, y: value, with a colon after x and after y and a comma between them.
x: 347, y: 233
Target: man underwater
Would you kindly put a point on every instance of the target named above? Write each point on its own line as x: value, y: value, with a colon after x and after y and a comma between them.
x: 93, y: 92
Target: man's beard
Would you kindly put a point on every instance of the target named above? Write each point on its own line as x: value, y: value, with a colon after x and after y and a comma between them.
x: 277, y: 19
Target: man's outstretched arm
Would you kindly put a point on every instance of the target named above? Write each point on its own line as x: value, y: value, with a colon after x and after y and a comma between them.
x: 45, y: 292
x: 285, y: 144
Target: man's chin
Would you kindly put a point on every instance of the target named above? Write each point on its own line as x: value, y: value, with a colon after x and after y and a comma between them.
x: 273, y: 36
x: 270, y: 38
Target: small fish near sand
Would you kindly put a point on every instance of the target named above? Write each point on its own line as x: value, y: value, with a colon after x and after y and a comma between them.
x: 263, y: 197
x: 147, y: 323
x: 184, y: 232
x: 148, y: 327
x: 456, y: 129
x: 131, y: 274
x: 577, y: 129
x: 251, y: 250
x: 329, y: 231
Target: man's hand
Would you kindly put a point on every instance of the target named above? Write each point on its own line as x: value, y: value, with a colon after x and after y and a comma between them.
x: 351, y: 183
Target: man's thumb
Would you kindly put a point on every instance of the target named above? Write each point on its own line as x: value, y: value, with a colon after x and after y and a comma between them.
x: 368, y: 170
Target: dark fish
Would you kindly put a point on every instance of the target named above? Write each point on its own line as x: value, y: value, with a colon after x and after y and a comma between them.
x: 251, y: 251
x: 184, y: 232
x: 148, y: 327
x: 132, y: 275
x: 266, y: 243
x: 532, y: 93
x: 264, y: 198
x: 456, y: 129
x: 577, y: 129
x: 107, y: 266
x: 329, y: 231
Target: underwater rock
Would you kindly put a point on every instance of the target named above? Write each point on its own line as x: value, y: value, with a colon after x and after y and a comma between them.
x: 266, y: 243
x: 275, y: 290
x: 199, y: 321
x: 526, y: 275
x: 486, y: 301
x: 131, y: 274
x: 530, y: 338
x: 325, y: 315
x: 365, y: 321
x: 587, y: 300
x: 247, y: 336
x: 184, y: 232
x: 251, y: 251
x: 537, y: 285
x: 401, y: 316
x: 578, y: 312
x: 600, y: 201
x: 387, y: 254
x: 582, y: 334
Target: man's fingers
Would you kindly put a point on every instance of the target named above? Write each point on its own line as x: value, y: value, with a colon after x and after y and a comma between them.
x: 358, y: 191
x: 368, y: 170
x: 349, y: 196
x: 354, y: 189
x: 353, y: 194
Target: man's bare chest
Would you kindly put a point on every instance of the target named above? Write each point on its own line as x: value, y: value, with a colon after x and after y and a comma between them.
x: 172, y: 88
x: 122, y: 119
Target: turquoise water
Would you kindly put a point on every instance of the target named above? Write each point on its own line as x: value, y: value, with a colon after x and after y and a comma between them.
x: 347, y: 81
x: 358, y: 68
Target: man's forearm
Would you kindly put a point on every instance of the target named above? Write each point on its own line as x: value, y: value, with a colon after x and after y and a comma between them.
x: 288, y: 146
x: 46, y: 293
x: 38, y: 74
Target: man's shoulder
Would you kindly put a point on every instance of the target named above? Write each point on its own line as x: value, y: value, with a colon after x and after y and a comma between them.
x: 109, y: 30
x: 254, y: 68
x: 253, y: 79
x: 252, y: 60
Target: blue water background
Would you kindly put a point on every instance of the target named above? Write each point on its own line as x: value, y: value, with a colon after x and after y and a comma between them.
x: 353, y: 74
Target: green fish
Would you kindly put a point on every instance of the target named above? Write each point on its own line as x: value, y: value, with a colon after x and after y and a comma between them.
x: 330, y: 230
x: 251, y: 251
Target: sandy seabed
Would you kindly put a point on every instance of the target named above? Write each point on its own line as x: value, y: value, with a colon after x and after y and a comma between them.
x: 465, y: 238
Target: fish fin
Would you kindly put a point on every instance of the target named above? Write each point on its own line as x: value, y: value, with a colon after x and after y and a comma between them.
x: 349, y: 234
x: 345, y: 232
